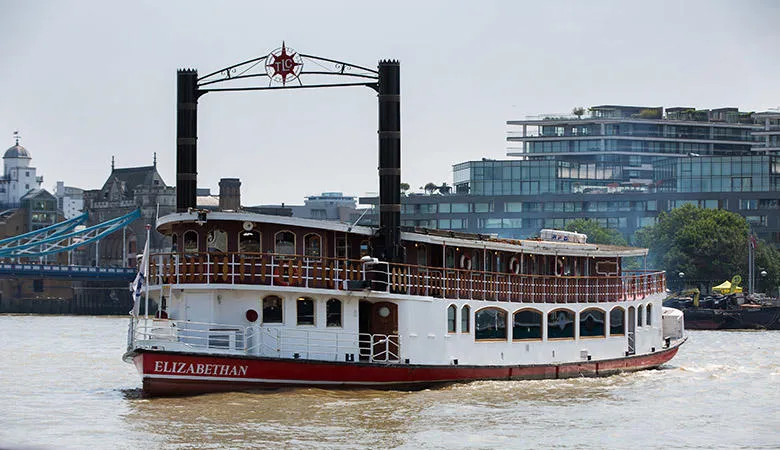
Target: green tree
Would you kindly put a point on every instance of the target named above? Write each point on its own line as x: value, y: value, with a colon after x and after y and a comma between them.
x: 705, y: 244
x: 767, y: 260
x: 404, y: 187
x: 430, y: 188
x: 596, y: 233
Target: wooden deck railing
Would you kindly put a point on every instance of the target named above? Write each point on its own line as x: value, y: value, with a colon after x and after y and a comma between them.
x: 342, y: 274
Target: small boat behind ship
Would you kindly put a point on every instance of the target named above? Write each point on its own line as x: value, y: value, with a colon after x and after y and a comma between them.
x: 253, y: 301
x: 727, y: 312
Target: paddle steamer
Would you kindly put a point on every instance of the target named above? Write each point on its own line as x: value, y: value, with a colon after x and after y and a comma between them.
x: 252, y: 301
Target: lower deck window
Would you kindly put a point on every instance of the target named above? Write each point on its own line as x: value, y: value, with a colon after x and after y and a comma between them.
x: 527, y: 324
x: 592, y: 323
x: 305, y: 308
x: 490, y: 323
x: 333, y: 313
x: 560, y: 324
x: 616, y: 322
x: 272, y: 309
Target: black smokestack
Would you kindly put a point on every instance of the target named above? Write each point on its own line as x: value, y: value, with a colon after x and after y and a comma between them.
x: 390, y: 161
x: 186, y: 139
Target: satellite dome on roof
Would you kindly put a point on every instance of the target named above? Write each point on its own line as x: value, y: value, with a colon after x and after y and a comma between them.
x: 17, y: 151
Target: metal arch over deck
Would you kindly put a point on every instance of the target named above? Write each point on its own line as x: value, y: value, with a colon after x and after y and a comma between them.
x: 39, y: 244
x: 285, y: 69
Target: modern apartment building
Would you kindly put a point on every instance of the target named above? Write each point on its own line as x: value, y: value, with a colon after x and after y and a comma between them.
x: 620, y: 165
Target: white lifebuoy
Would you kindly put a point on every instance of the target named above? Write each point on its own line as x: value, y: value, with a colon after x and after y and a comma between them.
x: 514, y: 265
x: 465, y: 262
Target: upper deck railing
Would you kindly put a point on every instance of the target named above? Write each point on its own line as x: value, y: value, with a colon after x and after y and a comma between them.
x: 344, y: 274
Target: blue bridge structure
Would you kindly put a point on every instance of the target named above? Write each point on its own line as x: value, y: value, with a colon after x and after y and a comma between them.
x: 62, y: 237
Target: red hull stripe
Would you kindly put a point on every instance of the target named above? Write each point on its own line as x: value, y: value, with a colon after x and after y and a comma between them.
x: 166, y: 373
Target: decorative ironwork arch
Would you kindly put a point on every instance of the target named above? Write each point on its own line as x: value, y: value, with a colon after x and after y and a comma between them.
x: 277, y: 65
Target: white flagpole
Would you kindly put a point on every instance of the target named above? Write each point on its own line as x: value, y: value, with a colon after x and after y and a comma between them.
x: 146, y: 271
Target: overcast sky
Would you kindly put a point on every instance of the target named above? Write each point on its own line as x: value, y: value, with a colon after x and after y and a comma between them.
x: 85, y: 80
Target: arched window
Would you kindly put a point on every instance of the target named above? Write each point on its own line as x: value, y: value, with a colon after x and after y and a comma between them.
x: 640, y: 320
x: 649, y: 316
x: 617, y: 321
x: 249, y: 242
x: 452, y: 318
x: 527, y: 324
x: 490, y: 323
x: 592, y: 323
x: 272, y: 309
x: 465, y: 319
x: 284, y: 243
x: 216, y: 241
x: 190, y: 242
x: 305, y: 311
x: 312, y: 245
x: 333, y: 313
x: 560, y: 324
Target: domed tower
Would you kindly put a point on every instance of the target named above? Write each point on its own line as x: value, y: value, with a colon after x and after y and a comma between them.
x: 18, y: 177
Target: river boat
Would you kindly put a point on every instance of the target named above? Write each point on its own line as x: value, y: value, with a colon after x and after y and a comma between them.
x: 252, y: 301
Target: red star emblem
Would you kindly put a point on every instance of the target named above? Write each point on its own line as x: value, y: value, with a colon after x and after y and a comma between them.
x: 283, y: 65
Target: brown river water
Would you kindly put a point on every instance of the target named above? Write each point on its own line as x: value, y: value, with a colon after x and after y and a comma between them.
x: 63, y: 385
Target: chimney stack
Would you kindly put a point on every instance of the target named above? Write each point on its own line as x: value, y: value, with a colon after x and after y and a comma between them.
x: 229, y: 194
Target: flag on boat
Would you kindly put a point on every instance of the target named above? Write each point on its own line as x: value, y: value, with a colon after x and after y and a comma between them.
x: 140, y: 280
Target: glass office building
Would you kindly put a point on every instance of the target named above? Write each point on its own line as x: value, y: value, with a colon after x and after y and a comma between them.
x: 621, y: 165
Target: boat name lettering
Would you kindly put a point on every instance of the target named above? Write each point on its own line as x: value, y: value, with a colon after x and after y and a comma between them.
x: 199, y: 369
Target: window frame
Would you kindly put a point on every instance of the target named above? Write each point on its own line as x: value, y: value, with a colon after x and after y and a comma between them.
x: 259, y: 241
x: 623, y: 311
x: 465, y: 319
x: 306, y: 238
x: 184, y: 242
x: 573, y: 322
x: 452, y: 322
x: 298, y: 302
x: 541, y: 325
x: 294, y: 242
x: 604, y: 326
x: 494, y: 339
x: 340, y: 313
x: 263, y: 310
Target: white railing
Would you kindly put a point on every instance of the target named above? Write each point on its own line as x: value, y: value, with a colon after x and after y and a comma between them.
x: 256, y: 340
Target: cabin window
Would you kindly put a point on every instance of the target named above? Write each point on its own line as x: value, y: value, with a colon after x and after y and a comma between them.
x: 592, y: 323
x: 249, y: 242
x: 217, y: 241
x: 649, y: 316
x: 284, y: 243
x: 342, y: 248
x: 312, y: 245
x: 452, y: 317
x: 333, y: 313
x: 305, y: 307
x: 490, y: 323
x: 617, y: 322
x: 527, y: 324
x: 560, y: 324
x: 174, y: 243
x: 272, y: 309
x: 476, y: 260
x: 640, y: 312
x: 465, y: 319
x: 365, y: 248
x: 190, y: 241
